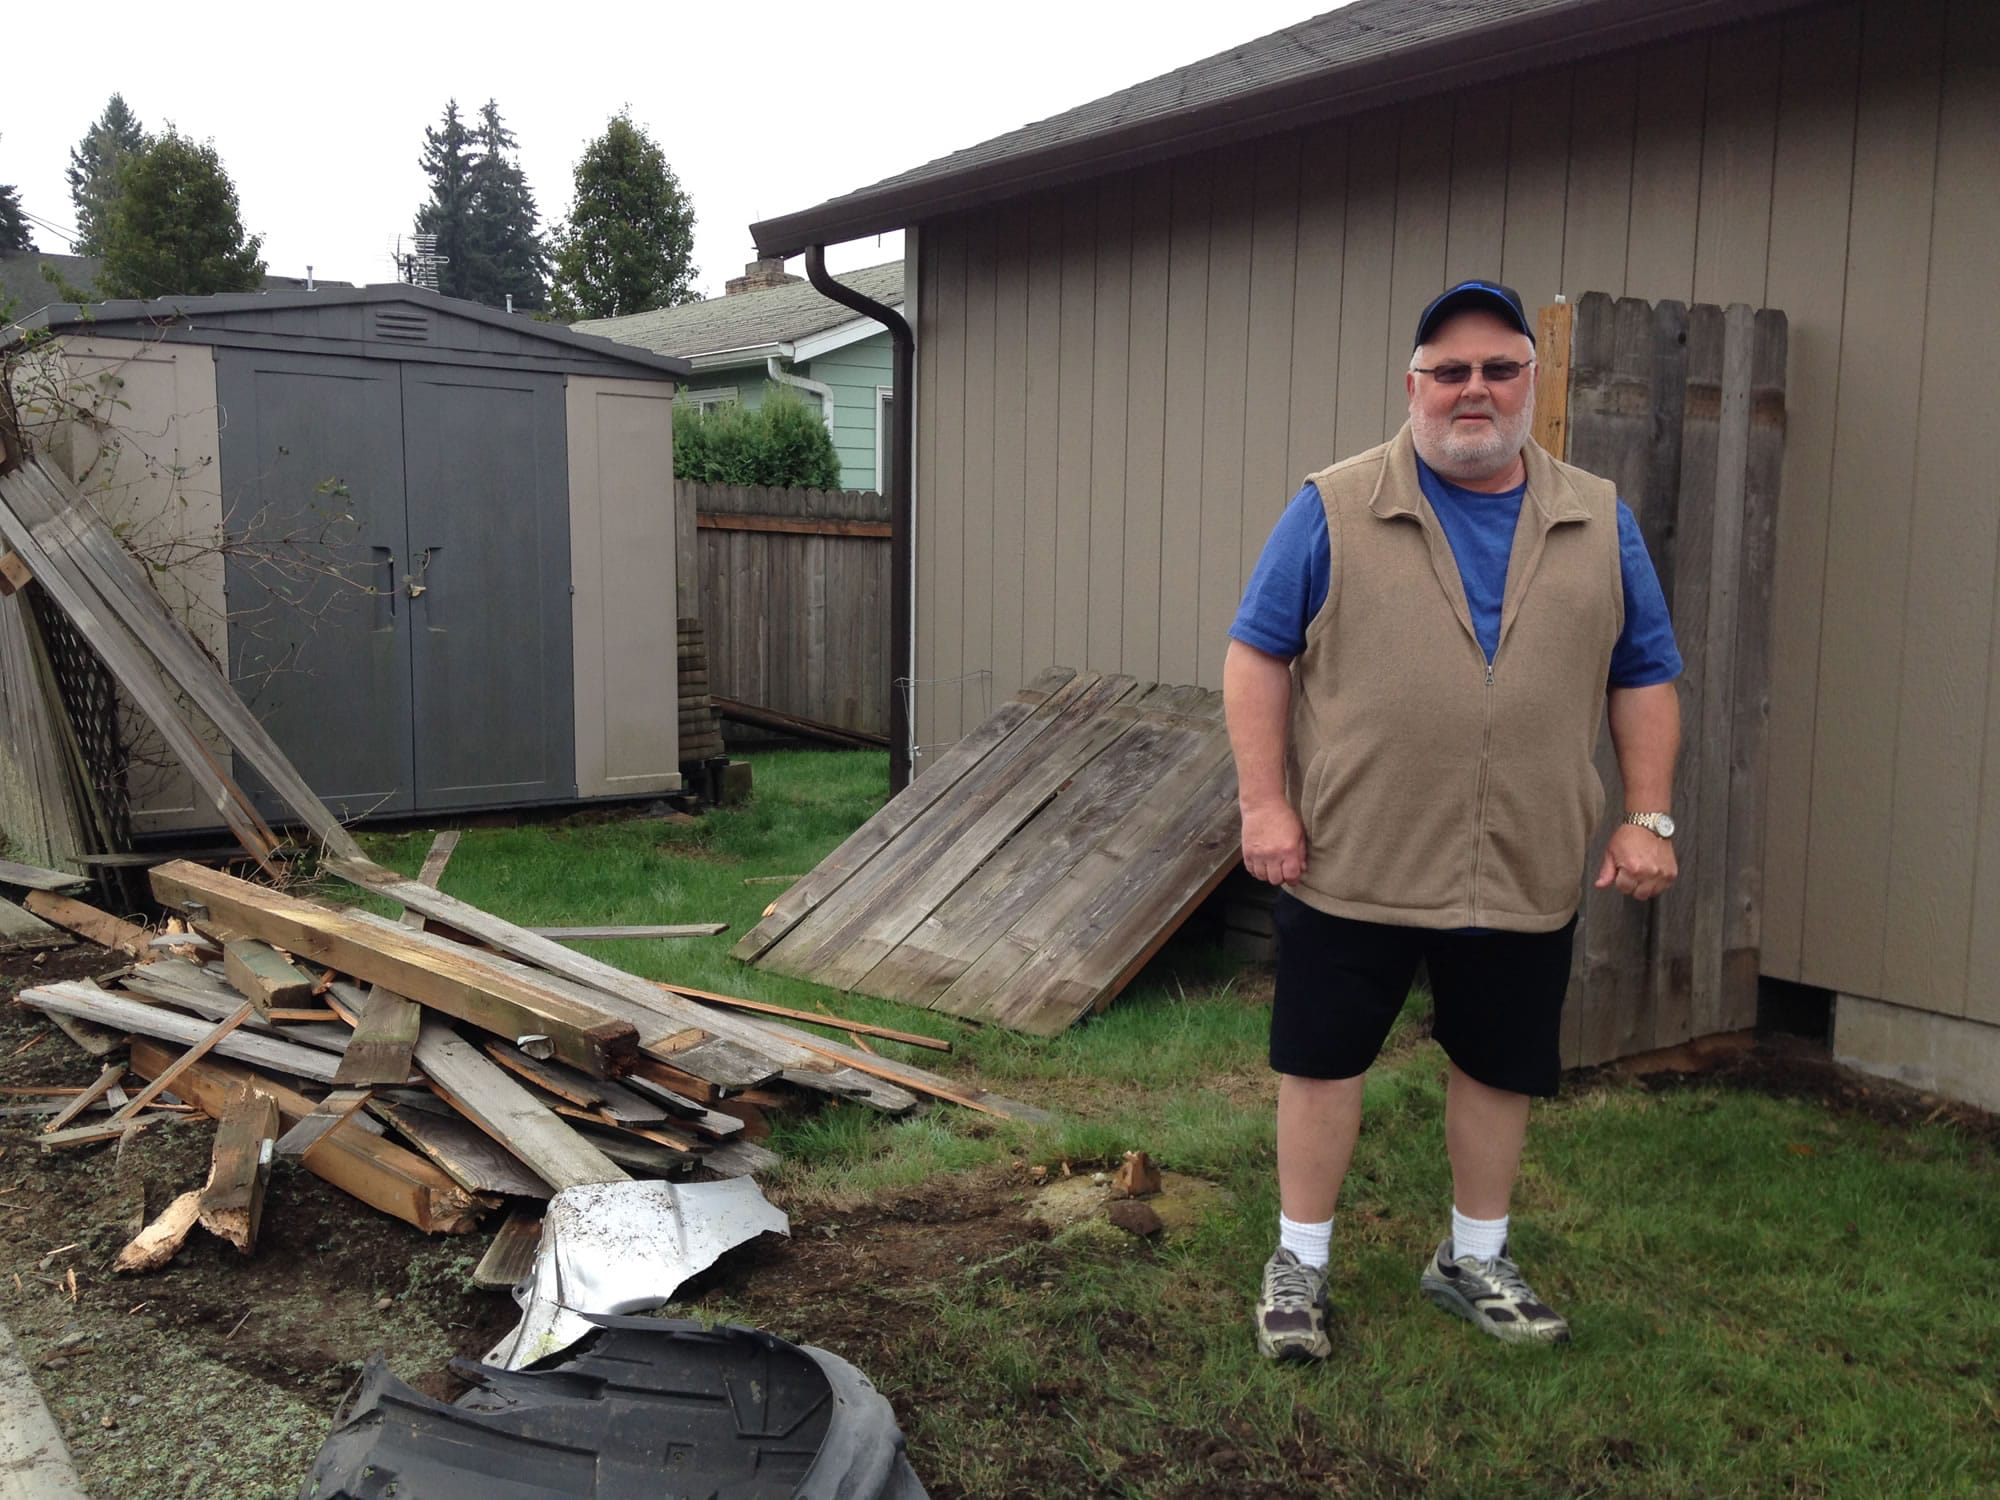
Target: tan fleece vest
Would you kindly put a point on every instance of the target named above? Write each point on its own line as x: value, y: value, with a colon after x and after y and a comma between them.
x: 1436, y: 792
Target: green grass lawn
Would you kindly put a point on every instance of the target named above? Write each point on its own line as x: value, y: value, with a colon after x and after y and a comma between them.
x: 1768, y: 1298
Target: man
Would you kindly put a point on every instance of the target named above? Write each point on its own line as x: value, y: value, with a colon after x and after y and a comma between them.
x: 1414, y: 687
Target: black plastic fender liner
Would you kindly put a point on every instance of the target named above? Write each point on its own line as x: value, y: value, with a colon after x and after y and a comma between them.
x: 648, y: 1409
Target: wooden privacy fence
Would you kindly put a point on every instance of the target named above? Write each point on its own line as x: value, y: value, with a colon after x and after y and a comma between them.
x: 794, y: 598
x: 1684, y: 407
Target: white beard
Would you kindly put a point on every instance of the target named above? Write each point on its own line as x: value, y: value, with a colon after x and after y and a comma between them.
x: 1471, y: 456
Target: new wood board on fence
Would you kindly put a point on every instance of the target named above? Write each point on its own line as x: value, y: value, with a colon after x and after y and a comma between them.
x: 1026, y: 877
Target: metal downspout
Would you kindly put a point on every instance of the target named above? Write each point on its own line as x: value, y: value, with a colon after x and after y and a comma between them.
x: 902, y: 563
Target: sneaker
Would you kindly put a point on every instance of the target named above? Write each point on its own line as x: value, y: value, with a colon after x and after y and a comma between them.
x: 1292, y: 1310
x: 1491, y: 1294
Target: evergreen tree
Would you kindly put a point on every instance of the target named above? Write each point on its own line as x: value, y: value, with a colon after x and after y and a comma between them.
x: 94, y: 164
x: 507, y: 253
x: 629, y: 244
x: 447, y: 161
x: 174, y: 227
x: 15, y: 235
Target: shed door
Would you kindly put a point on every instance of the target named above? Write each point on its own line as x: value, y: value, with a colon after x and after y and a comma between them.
x: 312, y: 482
x: 488, y: 485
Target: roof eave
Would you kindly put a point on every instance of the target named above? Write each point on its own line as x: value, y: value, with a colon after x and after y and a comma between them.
x: 1517, y: 44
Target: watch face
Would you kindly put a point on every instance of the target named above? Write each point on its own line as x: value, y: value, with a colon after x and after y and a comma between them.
x: 1665, y: 825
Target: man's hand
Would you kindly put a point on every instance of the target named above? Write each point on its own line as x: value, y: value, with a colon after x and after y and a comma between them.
x: 1274, y: 842
x: 1638, y: 861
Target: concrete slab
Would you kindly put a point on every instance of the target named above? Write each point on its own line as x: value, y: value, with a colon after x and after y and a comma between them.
x: 34, y: 1460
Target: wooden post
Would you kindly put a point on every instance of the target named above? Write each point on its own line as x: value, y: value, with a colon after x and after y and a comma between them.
x: 1552, y: 335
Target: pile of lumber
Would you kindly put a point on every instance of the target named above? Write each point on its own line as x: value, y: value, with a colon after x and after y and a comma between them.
x: 435, y: 1067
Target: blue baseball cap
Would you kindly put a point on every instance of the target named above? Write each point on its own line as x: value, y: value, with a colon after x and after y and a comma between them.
x: 1485, y: 296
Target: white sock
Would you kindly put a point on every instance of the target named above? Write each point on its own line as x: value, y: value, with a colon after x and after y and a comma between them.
x: 1482, y: 1239
x: 1311, y: 1243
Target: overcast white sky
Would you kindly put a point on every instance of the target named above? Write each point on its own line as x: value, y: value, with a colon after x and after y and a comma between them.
x: 762, y: 108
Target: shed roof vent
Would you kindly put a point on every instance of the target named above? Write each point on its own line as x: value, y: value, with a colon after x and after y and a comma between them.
x: 403, y: 325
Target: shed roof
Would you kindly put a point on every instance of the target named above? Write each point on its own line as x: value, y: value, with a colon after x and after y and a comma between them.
x: 388, y: 321
x: 1371, y: 53
x: 771, y: 315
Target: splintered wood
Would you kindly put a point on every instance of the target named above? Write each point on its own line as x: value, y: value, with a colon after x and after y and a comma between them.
x: 1028, y: 875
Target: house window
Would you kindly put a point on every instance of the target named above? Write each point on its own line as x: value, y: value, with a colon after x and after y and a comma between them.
x: 885, y: 434
x: 721, y: 395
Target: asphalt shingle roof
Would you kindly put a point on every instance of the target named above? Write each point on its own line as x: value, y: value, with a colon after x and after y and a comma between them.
x: 773, y: 315
x: 1371, y: 53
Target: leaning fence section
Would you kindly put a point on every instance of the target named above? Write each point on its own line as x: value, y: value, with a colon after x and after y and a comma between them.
x: 1684, y: 407
x: 794, y: 599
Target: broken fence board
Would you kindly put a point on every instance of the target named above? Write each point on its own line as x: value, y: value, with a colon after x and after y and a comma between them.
x: 102, y: 563
x: 264, y: 976
x: 641, y: 998
x: 481, y: 1091
x: 79, y: 917
x: 232, y: 1202
x: 608, y: 934
x: 73, y: 998
x: 22, y: 929
x: 511, y: 1256
x: 463, y: 1152
x: 218, y: 1033
x: 430, y: 970
x: 87, y: 1097
x: 162, y: 1239
x: 353, y: 1157
x: 35, y: 878
x: 24, y: 515
x: 385, y: 1032
x: 329, y: 1112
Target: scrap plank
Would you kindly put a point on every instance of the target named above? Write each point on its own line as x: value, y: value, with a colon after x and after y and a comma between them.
x: 730, y: 1051
x: 73, y: 998
x: 264, y: 976
x: 88, y: 1096
x: 21, y: 928
x: 918, y: 1079
x: 23, y: 513
x: 785, y: 1012
x: 80, y: 917
x: 385, y: 1032
x: 216, y: 1033
x: 481, y: 1091
x: 329, y: 1112
x: 232, y: 1201
x: 1021, y: 719
x: 511, y: 1256
x: 605, y: 934
x: 460, y: 1150
x: 433, y: 971
x: 97, y: 559
x: 378, y: 1172
x: 35, y: 878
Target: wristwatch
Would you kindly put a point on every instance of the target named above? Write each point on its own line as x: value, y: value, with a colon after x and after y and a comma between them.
x: 1659, y: 823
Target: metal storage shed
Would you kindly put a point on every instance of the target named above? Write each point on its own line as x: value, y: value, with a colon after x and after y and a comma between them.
x: 495, y: 494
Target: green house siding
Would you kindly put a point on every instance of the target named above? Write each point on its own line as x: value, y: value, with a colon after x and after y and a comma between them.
x: 852, y: 374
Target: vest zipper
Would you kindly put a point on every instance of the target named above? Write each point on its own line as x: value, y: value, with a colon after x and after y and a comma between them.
x: 1479, y: 812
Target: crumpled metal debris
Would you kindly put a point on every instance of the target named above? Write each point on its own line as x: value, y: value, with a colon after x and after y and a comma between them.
x: 625, y: 1247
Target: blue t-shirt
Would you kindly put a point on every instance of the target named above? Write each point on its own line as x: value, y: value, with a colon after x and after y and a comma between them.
x: 1290, y: 582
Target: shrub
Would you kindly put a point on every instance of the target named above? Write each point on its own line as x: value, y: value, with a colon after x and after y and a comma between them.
x: 783, y: 443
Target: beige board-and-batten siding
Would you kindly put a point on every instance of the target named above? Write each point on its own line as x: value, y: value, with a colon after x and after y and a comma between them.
x: 1121, y: 384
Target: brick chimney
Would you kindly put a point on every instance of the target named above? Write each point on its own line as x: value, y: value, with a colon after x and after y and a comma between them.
x: 758, y: 275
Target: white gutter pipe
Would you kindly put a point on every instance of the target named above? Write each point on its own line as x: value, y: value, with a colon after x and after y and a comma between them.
x: 818, y: 387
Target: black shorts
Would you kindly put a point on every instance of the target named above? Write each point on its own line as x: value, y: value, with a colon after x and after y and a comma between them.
x: 1341, y: 983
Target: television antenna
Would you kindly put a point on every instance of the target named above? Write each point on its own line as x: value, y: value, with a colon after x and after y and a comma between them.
x: 418, y: 266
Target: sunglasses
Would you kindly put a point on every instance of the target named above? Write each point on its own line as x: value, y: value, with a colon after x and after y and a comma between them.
x: 1493, y: 371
